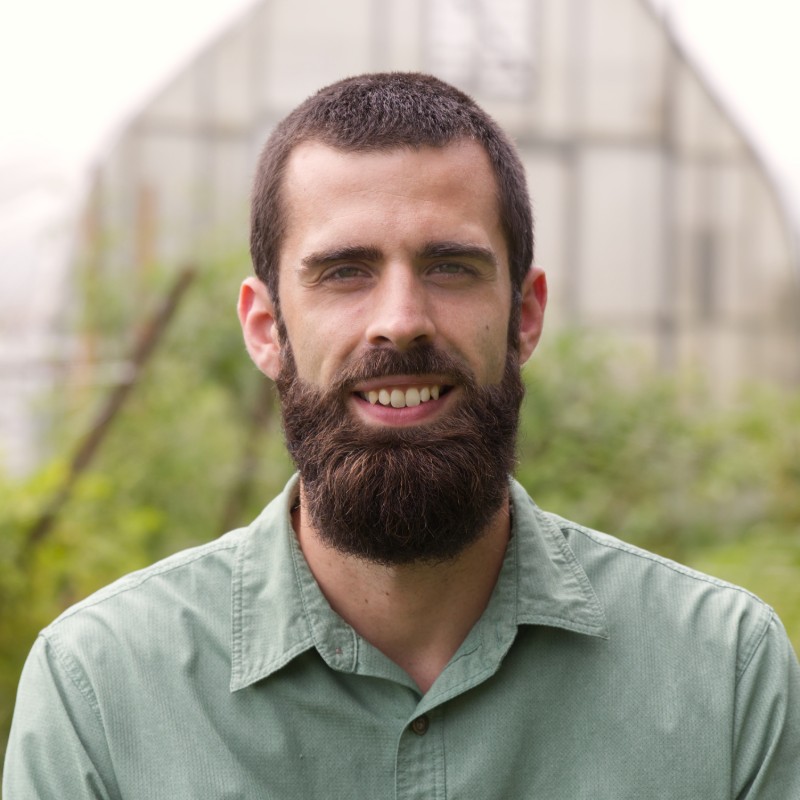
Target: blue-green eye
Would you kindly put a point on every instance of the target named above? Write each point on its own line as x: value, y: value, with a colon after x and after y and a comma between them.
x: 452, y: 268
x: 344, y: 272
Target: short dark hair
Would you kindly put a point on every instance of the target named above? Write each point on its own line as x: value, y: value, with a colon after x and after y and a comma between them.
x: 383, y: 111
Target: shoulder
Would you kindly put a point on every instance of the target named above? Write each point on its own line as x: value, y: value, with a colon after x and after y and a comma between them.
x: 176, y: 572
x: 176, y: 612
x: 647, y: 595
x: 188, y: 590
x: 608, y: 554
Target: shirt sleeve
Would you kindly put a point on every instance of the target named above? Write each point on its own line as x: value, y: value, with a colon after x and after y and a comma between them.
x: 56, y: 748
x: 766, y: 747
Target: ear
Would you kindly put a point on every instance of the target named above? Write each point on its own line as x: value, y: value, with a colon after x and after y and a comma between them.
x: 531, y: 319
x: 257, y: 318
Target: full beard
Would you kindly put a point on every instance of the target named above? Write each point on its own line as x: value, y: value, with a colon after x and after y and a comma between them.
x: 402, y: 495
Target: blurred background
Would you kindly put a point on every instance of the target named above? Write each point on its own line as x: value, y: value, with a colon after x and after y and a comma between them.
x: 660, y: 140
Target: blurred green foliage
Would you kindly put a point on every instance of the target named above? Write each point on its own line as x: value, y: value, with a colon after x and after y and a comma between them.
x: 198, y: 450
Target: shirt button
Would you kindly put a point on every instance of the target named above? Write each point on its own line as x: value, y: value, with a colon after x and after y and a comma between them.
x: 420, y: 725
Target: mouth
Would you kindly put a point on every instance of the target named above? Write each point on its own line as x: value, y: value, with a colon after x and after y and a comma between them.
x: 408, y: 396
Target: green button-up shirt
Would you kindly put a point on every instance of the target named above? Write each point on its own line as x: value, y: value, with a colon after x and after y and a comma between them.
x: 597, y: 671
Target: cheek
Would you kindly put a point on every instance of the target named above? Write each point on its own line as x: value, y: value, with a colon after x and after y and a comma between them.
x: 494, y: 341
x: 484, y: 344
x: 493, y: 346
x: 319, y: 351
x: 309, y: 360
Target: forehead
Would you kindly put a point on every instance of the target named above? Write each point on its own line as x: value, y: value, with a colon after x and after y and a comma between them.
x: 462, y: 150
x: 451, y: 187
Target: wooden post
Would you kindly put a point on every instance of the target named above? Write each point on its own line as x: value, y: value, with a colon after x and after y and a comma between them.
x: 145, y: 344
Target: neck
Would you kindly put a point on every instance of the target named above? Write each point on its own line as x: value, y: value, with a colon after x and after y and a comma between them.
x: 416, y: 614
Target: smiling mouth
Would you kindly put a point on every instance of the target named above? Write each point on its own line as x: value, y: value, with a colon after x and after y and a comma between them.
x: 401, y: 398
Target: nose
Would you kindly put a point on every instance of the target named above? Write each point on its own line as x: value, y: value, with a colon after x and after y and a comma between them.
x: 400, y: 314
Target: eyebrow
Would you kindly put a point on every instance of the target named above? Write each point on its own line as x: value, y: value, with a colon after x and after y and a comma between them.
x: 431, y: 250
x: 458, y: 250
x: 324, y: 258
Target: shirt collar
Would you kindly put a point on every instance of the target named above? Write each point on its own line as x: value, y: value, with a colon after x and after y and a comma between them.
x: 552, y: 587
x: 279, y: 612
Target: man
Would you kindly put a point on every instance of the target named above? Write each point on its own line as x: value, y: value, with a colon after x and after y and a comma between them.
x: 403, y: 621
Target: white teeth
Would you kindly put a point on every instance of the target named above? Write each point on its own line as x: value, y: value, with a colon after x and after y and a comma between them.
x: 398, y: 398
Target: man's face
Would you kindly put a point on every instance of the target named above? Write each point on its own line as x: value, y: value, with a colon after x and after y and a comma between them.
x: 400, y: 397
x: 394, y: 248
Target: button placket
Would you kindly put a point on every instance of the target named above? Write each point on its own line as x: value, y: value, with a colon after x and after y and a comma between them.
x: 420, y: 765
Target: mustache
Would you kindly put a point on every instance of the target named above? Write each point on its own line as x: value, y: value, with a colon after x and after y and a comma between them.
x: 383, y: 362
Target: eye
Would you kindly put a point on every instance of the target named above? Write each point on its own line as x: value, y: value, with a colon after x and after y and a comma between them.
x: 343, y: 273
x: 453, y: 268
